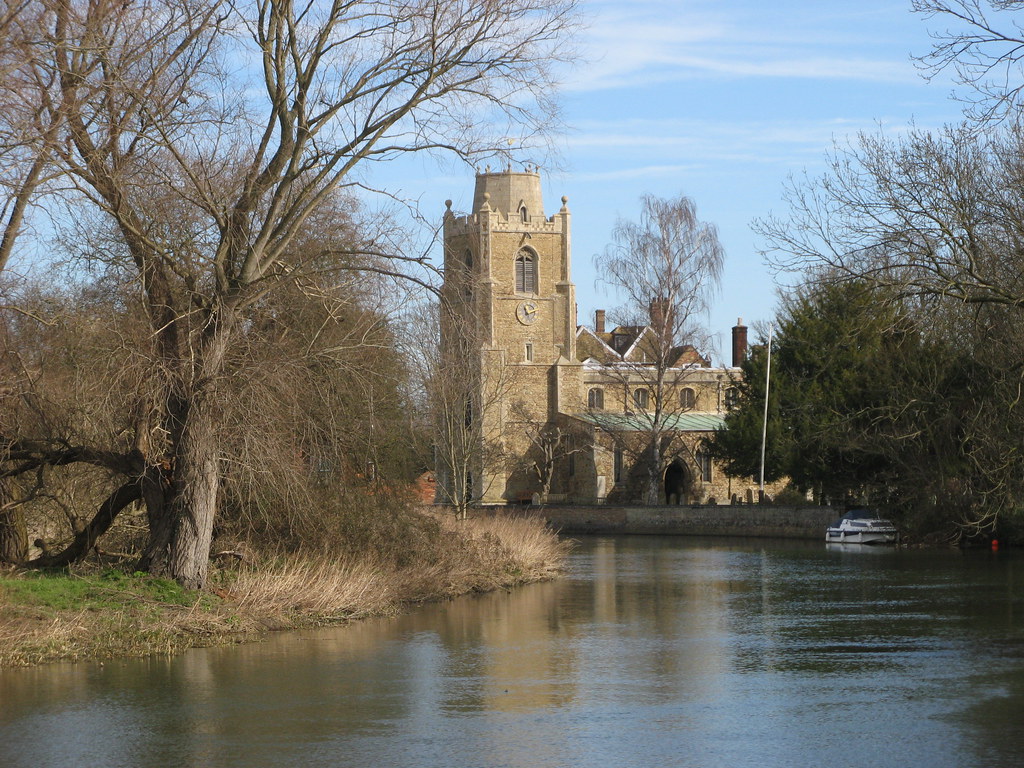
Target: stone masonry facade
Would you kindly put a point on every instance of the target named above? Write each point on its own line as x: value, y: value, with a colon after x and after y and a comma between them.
x: 548, y: 392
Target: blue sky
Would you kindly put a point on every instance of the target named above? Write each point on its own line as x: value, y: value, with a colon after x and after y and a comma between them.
x: 721, y: 100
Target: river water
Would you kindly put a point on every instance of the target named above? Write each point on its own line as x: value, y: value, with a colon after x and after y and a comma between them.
x: 651, y: 651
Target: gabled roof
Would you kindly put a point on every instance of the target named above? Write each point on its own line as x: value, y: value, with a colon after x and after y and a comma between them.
x: 687, y: 355
x: 591, y: 346
x: 599, y: 347
x: 636, y: 334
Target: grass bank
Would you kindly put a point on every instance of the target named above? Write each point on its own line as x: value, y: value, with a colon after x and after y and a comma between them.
x: 95, y: 612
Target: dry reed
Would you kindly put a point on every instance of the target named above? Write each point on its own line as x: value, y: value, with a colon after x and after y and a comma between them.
x: 466, y: 556
x: 320, y: 587
x: 445, y: 558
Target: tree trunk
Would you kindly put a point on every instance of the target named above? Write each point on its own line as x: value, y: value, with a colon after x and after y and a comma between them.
x: 653, y: 495
x: 13, y: 530
x: 181, y: 524
x: 182, y: 518
x: 195, y: 504
x: 86, y: 539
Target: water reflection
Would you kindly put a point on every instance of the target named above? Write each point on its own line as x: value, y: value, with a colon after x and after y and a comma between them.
x: 652, y: 651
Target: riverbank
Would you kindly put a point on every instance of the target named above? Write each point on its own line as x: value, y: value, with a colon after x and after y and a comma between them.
x: 96, y: 612
x: 746, y: 520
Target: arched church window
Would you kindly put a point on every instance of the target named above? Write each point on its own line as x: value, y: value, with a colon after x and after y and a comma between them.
x: 469, y: 259
x: 687, y: 399
x: 641, y: 398
x: 595, y: 399
x: 526, y: 272
x: 524, y: 215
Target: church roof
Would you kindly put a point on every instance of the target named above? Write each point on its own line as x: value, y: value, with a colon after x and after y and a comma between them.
x: 623, y: 344
x: 638, y: 422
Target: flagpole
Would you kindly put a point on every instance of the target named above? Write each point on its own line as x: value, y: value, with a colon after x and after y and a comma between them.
x: 764, y: 425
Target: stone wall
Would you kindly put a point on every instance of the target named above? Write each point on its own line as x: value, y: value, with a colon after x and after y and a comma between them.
x: 713, y: 520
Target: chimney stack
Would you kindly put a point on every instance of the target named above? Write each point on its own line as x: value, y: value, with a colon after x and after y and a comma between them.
x: 739, y: 343
x: 659, y: 314
x: 599, y: 321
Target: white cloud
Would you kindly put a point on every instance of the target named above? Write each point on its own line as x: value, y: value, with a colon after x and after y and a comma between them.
x: 649, y: 43
x: 638, y: 148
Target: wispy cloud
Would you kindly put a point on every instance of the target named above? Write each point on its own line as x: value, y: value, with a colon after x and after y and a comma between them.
x: 645, y: 43
x: 639, y: 148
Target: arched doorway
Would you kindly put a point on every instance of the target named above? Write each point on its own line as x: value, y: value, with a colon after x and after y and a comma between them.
x: 677, y: 482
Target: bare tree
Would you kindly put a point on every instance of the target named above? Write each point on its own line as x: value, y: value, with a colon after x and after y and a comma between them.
x: 935, y: 220
x: 30, y: 120
x: 208, y: 174
x: 65, y: 431
x: 667, y: 267
x: 984, y: 46
x: 460, y: 386
x: 551, y: 443
x: 930, y: 215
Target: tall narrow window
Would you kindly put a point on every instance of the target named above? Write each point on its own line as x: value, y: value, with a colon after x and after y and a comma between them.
x: 704, y: 465
x: 529, y: 351
x: 617, y: 468
x: 687, y: 399
x: 641, y: 398
x: 595, y: 399
x: 732, y: 397
x: 525, y: 216
x: 468, y: 284
x: 526, y: 272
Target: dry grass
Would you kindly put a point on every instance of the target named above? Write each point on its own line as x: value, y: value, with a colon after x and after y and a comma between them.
x: 532, y: 551
x: 467, y: 556
x: 325, y: 588
x: 108, y: 614
x: 484, y: 554
x: 26, y: 640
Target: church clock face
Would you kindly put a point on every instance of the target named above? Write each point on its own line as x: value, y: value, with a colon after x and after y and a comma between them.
x: 526, y: 312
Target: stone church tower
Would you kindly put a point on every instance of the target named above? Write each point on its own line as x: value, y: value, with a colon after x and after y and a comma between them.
x: 533, y: 393
x: 507, y: 273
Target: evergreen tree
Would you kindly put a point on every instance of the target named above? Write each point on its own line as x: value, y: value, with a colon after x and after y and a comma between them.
x: 853, y: 390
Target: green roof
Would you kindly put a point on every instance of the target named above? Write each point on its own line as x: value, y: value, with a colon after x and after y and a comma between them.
x: 638, y: 422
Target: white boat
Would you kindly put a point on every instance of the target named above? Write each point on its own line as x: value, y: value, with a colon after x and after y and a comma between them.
x: 858, y: 528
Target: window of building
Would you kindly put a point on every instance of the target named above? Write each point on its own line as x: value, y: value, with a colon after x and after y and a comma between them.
x: 526, y: 272
x: 641, y: 397
x: 704, y: 465
x: 617, y: 468
x: 529, y: 352
x: 732, y: 397
x: 572, y: 465
x: 468, y: 283
x: 687, y: 399
x: 525, y: 216
x: 595, y: 399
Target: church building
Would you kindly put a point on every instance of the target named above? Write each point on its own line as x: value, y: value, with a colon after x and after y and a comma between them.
x: 554, y: 410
